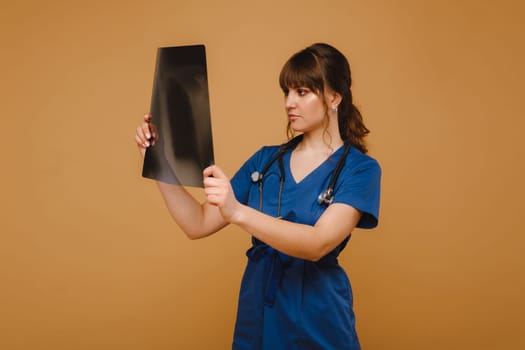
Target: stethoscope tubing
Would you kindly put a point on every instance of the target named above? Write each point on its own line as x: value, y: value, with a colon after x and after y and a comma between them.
x: 326, y: 197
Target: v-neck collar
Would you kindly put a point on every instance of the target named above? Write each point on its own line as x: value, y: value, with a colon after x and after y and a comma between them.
x: 288, y: 167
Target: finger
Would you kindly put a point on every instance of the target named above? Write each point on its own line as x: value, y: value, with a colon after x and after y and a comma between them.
x: 143, y: 139
x: 141, y: 136
x: 218, y: 173
x: 146, y: 130
x: 140, y: 143
x: 214, y: 171
x: 207, y: 172
x: 211, y: 182
x: 212, y: 191
x: 212, y: 194
x: 213, y: 200
x: 147, y: 117
x: 153, y: 128
x: 140, y: 146
x: 154, y: 134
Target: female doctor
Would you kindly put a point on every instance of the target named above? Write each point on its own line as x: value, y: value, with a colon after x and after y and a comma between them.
x: 299, y: 201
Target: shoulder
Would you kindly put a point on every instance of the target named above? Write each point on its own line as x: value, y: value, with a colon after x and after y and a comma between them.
x: 263, y: 155
x: 268, y: 151
x: 259, y: 159
x: 357, y: 161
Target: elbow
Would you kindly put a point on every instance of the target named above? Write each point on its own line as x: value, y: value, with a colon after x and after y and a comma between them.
x: 314, y: 259
x: 315, y: 255
x: 199, y: 233
x: 194, y: 235
x: 319, y: 252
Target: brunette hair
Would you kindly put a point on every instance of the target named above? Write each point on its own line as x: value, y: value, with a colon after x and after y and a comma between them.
x: 322, y: 66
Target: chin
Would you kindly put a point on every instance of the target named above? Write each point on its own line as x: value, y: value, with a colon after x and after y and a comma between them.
x: 296, y: 128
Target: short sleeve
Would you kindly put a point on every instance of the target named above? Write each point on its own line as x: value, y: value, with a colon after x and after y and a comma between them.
x: 360, y: 186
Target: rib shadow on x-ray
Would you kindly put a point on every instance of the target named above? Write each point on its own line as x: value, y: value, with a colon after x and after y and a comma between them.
x: 181, y: 112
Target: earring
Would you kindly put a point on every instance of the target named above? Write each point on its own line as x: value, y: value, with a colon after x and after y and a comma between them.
x: 334, y: 108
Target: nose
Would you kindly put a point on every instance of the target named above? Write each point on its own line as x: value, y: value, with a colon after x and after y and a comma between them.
x: 289, y: 101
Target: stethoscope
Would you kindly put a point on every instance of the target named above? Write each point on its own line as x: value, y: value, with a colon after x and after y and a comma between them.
x: 325, y: 198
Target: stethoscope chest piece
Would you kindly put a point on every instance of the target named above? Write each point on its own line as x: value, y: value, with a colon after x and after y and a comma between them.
x: 256, y: 177
x: 326, y: 197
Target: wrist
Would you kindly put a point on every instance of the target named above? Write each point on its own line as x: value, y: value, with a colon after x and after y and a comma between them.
x: 238, y: 215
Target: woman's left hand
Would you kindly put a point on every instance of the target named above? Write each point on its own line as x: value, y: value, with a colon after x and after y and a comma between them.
x: 219, y: 192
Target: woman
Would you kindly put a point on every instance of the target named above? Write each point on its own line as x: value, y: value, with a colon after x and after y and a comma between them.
x: 300, y: 202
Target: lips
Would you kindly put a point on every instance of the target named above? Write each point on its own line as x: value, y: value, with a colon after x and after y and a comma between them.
x: 292, y: 117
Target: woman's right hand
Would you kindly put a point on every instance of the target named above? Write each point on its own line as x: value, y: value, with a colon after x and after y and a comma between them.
x: 146, y: 135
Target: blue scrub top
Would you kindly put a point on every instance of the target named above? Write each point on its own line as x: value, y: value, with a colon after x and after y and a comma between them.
x: 288, y: 303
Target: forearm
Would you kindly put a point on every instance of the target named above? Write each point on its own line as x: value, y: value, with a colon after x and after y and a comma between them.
x: 195, y: 219
x: 297, y: 240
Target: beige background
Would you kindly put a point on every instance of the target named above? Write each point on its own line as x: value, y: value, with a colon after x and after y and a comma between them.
x: 89, y: 258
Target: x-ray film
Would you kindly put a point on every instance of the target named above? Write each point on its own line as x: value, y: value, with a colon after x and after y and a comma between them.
x: 181, y: 112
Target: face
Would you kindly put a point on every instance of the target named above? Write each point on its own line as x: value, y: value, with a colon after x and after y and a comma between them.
x: 305, y: 109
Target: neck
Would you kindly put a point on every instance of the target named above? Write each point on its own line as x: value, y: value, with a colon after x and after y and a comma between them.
x: 321, y: 142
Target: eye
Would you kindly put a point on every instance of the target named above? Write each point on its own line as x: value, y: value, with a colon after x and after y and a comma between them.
x: 302, y: 91
x: 286, y: 92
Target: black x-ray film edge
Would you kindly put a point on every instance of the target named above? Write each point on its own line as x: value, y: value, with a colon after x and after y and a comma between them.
x: 181, y: 112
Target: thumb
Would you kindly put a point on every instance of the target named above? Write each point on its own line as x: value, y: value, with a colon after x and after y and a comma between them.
x: 214, y: 171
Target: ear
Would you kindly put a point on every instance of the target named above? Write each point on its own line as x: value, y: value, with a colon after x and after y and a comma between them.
x: 333, y: 98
